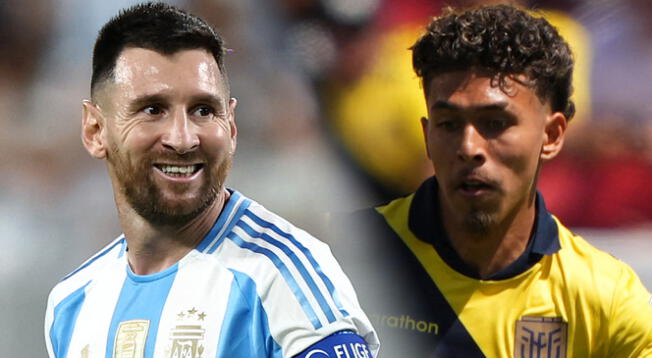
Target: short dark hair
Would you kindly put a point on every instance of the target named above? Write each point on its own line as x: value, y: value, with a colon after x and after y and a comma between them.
x: 154, y: 26
x: 504, y: 40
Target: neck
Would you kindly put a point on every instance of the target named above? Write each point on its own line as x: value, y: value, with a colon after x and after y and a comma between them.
x: 496, y: 247
x: 153, y: 248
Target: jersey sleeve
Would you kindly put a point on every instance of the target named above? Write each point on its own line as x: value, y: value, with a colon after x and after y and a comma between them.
x: 49, y: 319
x: 303, y: 292
x: 333, y: 308
x: 630, y: 323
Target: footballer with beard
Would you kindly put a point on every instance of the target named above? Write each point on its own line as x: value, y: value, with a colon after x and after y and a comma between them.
x: 200, y: 269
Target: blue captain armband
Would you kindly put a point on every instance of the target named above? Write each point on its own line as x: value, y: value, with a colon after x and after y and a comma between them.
x: 343, y: 344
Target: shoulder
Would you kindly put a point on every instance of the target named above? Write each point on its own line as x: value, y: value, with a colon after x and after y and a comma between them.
x: 263, y: 237
x: 85, y: 273
x: 587, y: 260
x: 596, y: 277
x: 614, y: 293
x: 300, y: 285
x: 66, y: 298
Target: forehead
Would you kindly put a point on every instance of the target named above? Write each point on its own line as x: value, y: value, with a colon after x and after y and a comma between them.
x: 475, y: 88
x: 146, y: 71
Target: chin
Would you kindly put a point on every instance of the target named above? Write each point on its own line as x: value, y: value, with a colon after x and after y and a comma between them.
x: 159, y: 209
x: 480, y: 221
x: 176, y: 214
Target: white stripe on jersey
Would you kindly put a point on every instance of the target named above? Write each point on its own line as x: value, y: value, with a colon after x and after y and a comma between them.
x: 240, y: 203
x: 199, y: 284
x: 302, y: 271
x: 92, y: 326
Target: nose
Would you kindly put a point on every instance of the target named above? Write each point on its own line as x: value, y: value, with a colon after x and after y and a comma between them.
x: 180, y: 134
x: 473, y: 145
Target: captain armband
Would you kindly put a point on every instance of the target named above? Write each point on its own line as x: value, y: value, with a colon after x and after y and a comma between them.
x: 343, y: 344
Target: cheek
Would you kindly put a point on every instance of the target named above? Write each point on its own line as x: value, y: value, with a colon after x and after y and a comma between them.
x: 216, y: 141
x: 442, y: 149
x: 140, y: 140
x: 519, y: 153
x: 136, y: 136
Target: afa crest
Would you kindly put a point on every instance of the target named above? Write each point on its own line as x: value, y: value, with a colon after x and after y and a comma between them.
x: 540, y: 337
x: 187, y: 337
x: 130, y: 339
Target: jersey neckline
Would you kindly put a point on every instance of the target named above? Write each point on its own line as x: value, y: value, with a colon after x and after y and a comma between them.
x: 230, y: 214
x: 426, y: 223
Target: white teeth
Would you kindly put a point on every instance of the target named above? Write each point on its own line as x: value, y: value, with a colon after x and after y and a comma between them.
x: 173, y: 169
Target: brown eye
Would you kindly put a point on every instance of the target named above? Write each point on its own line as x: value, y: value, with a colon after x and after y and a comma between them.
x: 153, y: 110
x: 449, y: 124
x: 497, y: 124
x: 203, y: 111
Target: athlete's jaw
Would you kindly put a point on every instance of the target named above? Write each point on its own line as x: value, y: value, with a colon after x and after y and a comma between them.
x: 170, y: 191
x: 473, y: 198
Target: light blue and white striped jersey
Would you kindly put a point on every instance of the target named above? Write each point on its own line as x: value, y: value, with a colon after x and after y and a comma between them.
x: 256, y: 286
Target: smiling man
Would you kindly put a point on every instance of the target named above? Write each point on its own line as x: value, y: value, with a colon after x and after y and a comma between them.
x: 472, y: 264
x: 201, y: 270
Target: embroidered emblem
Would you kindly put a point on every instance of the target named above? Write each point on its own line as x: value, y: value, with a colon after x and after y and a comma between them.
x: 85, y: 352
x: 540, y: 337
x: 130, y: 339
x: 187, y: 337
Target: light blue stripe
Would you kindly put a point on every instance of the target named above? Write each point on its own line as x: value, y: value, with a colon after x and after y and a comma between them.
x: 245, y: 329
x: 297, y: 263
x: 327, y: 282
x: 221, y: 220
x: 95, y: 258
x: 245, y: 204
x: 123, y: 249
x: 292, y: 283
x: 142, y: 298
x: 65, y: 318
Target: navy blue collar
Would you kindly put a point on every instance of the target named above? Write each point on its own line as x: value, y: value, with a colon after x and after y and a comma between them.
x: 425, y: 222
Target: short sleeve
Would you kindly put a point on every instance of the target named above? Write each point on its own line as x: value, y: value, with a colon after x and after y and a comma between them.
x: 630, y: 323
x: 338, y: 312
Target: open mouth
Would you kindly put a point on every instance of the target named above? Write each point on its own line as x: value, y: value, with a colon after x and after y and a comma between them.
x: 179, y: 170
x: 474, y: 185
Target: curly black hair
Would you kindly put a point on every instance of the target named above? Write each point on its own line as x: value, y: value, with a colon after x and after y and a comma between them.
x: 504, y: 40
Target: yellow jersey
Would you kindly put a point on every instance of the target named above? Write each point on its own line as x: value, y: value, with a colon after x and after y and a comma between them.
x: 561, y: 298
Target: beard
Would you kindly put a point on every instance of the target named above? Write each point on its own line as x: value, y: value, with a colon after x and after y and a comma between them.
x: 137, y: 185
x: 480, y: 221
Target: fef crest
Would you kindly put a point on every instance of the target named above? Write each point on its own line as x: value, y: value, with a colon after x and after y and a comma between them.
x: 540, y: 337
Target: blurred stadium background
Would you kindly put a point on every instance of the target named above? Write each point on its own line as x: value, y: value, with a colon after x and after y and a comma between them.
x: 328, y: 121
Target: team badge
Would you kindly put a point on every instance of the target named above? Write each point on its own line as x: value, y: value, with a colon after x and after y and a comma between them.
x: 86, y: 351
x: 540, y: 337
x: 187, y: 337
x: 130, y: 339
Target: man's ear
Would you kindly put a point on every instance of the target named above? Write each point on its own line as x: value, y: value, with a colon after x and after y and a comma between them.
x: 424, y: 128
x: 553, y: 135
x: 234, y: 129
x: 92, y: 131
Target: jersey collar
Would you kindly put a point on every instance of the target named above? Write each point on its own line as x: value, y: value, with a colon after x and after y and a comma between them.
x: 425, y: 222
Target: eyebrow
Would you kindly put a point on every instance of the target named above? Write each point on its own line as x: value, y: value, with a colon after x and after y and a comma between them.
x: 144, y: 100
x: 210, y: 99
x: 498, y: 106
x: 147, y: 99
